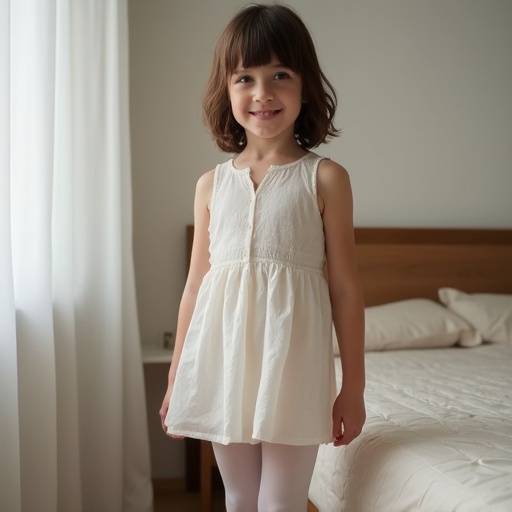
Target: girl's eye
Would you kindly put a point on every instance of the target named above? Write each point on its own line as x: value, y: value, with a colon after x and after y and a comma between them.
x: 282, y: 75
x: 245, y: 79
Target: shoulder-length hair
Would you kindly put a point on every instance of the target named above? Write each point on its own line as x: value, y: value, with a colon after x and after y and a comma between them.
x: 252, y: 37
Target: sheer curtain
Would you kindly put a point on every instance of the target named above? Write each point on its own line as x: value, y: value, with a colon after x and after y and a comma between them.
x: 73, y: 433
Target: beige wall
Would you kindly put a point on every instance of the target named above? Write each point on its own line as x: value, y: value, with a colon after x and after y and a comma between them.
x: 425, y: 108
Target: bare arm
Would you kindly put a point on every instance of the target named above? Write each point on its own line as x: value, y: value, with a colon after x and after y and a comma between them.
x: 199, y: 266
x: 335, y: 200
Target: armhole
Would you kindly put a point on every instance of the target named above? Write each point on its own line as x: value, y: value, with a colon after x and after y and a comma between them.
x: 314, y: 181
x: 214, y: 189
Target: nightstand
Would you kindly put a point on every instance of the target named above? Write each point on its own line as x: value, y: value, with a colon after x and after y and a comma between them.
x: 154, y: 354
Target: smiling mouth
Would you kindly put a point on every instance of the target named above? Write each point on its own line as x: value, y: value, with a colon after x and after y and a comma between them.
x: 265, y: 113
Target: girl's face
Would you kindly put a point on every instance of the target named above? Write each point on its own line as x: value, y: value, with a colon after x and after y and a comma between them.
x: 266, y: 100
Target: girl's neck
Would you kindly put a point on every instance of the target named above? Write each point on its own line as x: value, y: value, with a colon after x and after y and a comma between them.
x: 270, y: 152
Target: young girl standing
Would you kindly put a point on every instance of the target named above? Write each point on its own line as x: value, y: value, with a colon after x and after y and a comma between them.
x: 273, y: 266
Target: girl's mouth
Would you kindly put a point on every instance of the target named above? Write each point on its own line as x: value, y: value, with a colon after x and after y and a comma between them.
x: 265, y: 114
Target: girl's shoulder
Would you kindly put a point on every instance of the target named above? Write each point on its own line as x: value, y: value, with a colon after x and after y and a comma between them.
x: 205, y: 181
x: 204, y: 188
x: 333, y: 182
x: 208, y: 182
x: 209, y: 176
x: 328, y: 168
x: 331, y: 173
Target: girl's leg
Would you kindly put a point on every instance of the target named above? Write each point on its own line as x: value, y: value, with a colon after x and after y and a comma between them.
x: 240, y: 468
x: 285, y: 477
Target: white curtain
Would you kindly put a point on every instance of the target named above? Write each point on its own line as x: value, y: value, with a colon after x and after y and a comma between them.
x: 73, y: 434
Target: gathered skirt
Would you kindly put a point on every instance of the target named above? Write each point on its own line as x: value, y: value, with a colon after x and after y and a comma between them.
x: 257, y: 362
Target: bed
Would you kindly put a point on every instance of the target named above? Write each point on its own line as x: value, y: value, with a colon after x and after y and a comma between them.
x: 438, y: 436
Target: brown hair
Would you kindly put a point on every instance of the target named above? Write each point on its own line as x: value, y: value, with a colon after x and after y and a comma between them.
x: 253, y: 36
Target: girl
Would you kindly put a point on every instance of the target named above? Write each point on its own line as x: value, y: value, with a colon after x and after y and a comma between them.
x: 272, y: 267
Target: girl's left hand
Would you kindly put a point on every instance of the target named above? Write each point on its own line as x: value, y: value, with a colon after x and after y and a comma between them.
x: 348, y: 415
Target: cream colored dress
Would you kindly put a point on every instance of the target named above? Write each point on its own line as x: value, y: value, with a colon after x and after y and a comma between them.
x: 257, y: 363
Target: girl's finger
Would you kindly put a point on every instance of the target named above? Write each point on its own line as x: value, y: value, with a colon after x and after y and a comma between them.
x: 337, y: 431
x: 174, y: 436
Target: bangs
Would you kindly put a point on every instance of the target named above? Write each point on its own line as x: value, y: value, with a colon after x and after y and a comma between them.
x: 258, y: 38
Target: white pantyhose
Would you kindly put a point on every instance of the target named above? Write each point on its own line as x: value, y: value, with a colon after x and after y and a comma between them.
x: 265, y: 477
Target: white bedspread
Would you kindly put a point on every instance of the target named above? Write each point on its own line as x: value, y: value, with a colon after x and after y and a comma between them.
x: 438, y: 437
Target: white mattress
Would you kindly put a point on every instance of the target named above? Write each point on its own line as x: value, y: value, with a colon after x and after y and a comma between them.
x: 438, y: 437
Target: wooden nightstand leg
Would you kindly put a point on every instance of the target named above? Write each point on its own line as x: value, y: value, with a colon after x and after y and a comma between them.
x: 311, y: 507
x: 207, y: 461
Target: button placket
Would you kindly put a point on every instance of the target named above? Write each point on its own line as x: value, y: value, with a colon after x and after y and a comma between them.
x: 250, y: 226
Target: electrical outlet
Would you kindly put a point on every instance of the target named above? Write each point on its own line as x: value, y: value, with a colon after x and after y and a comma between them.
x: 168, y: 338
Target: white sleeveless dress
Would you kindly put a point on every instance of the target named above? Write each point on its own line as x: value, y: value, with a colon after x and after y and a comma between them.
x: 257, y: 363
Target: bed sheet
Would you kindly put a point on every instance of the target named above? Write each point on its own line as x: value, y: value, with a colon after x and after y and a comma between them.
x: 438, y: 436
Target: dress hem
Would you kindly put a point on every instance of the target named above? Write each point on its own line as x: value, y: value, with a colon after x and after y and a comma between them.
x: 255, y: 439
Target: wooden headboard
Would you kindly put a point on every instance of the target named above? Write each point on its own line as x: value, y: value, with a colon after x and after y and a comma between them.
x: 398, y: 263
x: 401, y: 263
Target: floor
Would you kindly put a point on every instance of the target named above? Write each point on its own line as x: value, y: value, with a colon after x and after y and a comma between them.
x: 182, y: 501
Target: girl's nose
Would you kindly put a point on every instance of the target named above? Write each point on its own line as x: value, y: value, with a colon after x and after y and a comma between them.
x: 263, y: 92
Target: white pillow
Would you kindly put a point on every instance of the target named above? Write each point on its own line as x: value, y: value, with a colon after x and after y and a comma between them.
x: 489, y: 313
x: 415, y: 323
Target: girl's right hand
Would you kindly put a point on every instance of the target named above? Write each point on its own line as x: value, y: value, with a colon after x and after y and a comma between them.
x: 163, y: 413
